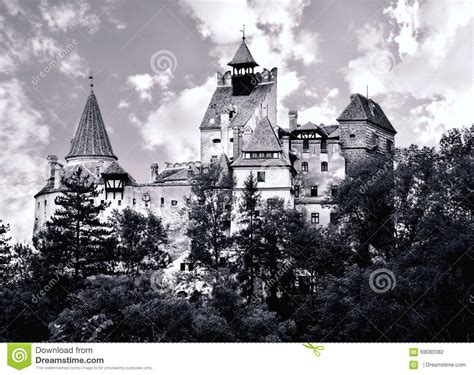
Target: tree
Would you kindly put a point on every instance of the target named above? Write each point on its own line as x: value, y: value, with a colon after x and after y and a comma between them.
x: 209, y: 214
x: 74, y: 237
x: 248, y: 237
x: 364, y: 205
x: 5, y: 254
x: 139, y: 240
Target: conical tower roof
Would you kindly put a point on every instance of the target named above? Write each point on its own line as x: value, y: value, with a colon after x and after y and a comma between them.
x: 243, y: 58
x: 91, y: 139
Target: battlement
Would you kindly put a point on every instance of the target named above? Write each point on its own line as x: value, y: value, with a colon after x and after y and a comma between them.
x: 263, y: 77
x: 189, y: 164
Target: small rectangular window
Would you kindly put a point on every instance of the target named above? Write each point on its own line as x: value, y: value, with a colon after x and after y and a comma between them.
x: 352, y: 136
x: 38, y: 204
x: 260, y: 176
x: 297, y: 191
x: 315, y: 218
x: 332, y: 217
x: 182, y: 266
x: 305, y: 145
x: 314, y: 191
x: 324, y: 146
x: 119, y: 202
x: 134, y: 201
x: 334, y: 190
x: 162, y: 201
x: 304, y: 166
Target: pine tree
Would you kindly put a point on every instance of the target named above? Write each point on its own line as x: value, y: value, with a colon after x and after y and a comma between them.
x: 139, y: 240
x: 209, y: 214
x: 5, y: 254
x: 249, y: 236
x: 74, y: 237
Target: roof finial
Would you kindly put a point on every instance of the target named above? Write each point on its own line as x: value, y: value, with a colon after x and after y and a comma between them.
x: 243, y: 32
x: 91, y: 78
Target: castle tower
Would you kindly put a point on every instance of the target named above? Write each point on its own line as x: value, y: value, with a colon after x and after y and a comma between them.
x: 91, y: 145
x: 364, y: 130
x: 241, y: 99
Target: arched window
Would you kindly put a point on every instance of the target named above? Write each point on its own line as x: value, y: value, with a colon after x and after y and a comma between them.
x: 324, y: 166
x: 304, y: 166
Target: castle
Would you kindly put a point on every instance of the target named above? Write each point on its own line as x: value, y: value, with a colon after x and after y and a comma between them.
x: 300, y: 163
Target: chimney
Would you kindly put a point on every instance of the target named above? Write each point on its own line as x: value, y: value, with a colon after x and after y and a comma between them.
x: 286, y: 145
x: 57, y: 176
x: 52, y: 161
x: 292, y: 119
x: 154, y: 172
x: 237, y: 147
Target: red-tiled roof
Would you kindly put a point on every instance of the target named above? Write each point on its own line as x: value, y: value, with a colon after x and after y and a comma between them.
x: 362, y: 109
x: 91, y: 137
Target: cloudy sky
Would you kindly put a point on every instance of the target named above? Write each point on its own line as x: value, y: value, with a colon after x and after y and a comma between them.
x: 155, y: 64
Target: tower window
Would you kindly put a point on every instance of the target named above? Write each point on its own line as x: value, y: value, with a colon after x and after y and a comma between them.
x: 162, y: 201
x: 260, y: 176
x: 231, y: 140
x: 297, y: 191
x: 324, y: 166
x: 304, y: 166
x: 314, y: 191
x: 119, y: 202
x: 352, y: 136
x: 315, y: 217
x: 305, y: 145
x: 38, y: 204
x: 134, y: 201
x: 216, y: 140
x: 389, y: 145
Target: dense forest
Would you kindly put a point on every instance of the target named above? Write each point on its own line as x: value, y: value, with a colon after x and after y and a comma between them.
x: 279, y: 278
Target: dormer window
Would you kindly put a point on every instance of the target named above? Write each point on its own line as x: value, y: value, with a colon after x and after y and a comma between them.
x: 260, y: 155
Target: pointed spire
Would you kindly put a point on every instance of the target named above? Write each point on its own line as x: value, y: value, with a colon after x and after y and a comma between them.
x: 91, y: 139
x: 243, y: 58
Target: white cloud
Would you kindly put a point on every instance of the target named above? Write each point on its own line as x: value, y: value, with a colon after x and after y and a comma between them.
x: 425, y: 58
x: 69, y: 15
x: 144, y: 83
x: 325, y: 112
x: 22, y: 135
x: 174, y: 126
x: 123, y: 104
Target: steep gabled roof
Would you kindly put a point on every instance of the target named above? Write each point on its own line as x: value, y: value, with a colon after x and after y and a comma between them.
x: 243, y: 58
x: 115, y: 168
x: 245, y: 105
x: 91, y: 137
x: 263, y: 138
x: 362, y: 109
x: 309, y: 126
